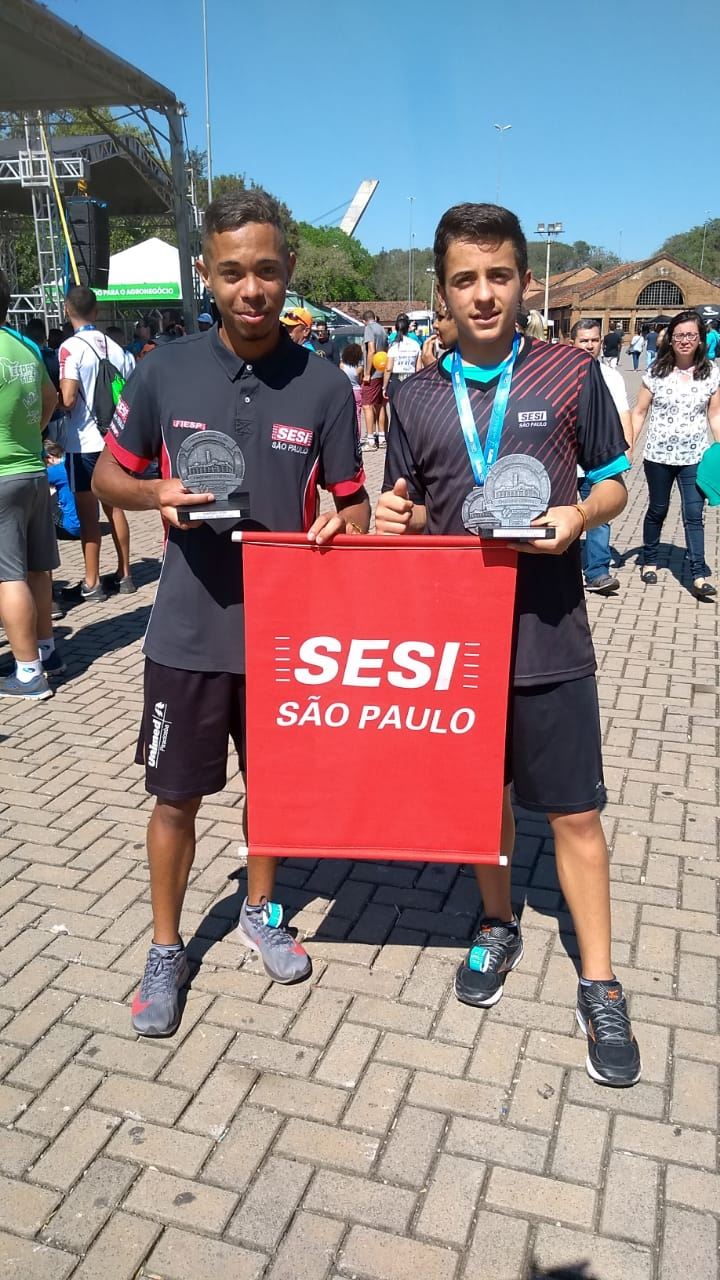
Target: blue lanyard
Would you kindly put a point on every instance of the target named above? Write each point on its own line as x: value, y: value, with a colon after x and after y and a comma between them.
x: 479, y: 461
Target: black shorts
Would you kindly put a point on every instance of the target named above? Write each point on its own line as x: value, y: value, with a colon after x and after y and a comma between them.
x: 553, y: 755
x: 80, y: 467
x: 188, y: 717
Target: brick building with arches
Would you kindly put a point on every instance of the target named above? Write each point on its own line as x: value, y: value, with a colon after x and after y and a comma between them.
x: 631, y: 295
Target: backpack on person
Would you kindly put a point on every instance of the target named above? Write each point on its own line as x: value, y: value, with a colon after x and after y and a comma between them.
x: 109, y: 383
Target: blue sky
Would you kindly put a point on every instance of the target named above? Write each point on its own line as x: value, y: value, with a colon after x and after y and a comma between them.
x: 309, y: 97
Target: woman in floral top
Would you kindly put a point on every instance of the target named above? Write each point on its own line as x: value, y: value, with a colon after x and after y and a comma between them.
x: 682, y: 392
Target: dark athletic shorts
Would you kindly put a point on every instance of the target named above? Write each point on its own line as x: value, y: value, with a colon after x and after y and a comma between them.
x: 27, y: 531
x: 372, y: 391
x: 80, y: 467
x: 553, y: 754
x: 188, y: 717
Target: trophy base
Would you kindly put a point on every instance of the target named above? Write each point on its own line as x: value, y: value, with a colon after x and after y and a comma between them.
x: 518, y: 533
x: 235, y: 507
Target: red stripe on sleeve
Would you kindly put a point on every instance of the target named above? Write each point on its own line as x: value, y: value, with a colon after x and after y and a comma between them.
x: 310, y: 496
x: 165, y: 463
x: 130, y: 461
x: 344, y: 488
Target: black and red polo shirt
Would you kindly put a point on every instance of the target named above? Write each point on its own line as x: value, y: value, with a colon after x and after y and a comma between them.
x: 293, y: 418
x: 560, y: 412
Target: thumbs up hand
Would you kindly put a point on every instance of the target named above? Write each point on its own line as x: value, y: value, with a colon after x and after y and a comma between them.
x: 394, y: 510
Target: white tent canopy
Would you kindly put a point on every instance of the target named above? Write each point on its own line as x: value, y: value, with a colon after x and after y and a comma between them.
x: 148, y: 272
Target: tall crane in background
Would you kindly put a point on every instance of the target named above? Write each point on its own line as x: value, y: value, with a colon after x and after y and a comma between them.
x: 358, y: 205
x: 354, y: 210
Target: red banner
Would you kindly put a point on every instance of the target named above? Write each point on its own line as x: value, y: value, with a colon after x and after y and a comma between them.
x: 377, y: 682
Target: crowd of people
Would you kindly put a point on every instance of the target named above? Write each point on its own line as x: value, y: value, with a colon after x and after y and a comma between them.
x: 483, y: 367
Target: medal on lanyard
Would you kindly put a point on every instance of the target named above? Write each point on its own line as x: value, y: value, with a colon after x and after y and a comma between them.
x: 481, y: 461
x: 509, y: 492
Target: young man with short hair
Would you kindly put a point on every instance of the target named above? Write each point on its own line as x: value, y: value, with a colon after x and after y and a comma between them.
x: 80, y: 357
x: 324, y: 345
x: 375, y: 340
x: 551, y: 404
x: 225, y: 397
x: 585, y: 334
x: 612, y: 346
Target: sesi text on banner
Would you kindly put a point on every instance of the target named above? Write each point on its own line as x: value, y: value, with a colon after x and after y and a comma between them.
x: 377, y: 685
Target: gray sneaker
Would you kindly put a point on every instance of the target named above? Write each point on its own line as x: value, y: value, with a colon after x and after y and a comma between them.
x: 53, y: 666
x: 261, y: 929
x: 156, y: 1007
x: 121, y: 586
x: 33, y: 690
x: 81, y: 591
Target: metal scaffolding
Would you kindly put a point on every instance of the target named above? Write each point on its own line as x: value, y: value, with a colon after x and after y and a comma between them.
x: 47, y: 66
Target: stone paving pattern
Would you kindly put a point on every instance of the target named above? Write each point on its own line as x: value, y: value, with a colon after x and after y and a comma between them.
x: 364, y: 1123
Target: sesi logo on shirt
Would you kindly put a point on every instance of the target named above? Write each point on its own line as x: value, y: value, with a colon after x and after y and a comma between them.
x: 291, y: 439
x: 532, y: 418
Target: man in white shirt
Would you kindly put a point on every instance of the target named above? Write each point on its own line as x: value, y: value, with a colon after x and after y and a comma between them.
x: 596, y: 551
x: 83, y: 441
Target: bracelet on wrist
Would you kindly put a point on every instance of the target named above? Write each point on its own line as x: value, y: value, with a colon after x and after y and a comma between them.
x: 583, y: 516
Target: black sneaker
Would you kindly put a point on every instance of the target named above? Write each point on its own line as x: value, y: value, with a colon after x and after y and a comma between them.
x: 613, y: 1054
x: 53, y: 666
x: 603, y: 586
x: 495, y: 951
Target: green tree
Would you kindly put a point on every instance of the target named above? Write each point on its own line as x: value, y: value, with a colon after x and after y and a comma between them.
x: 332, y: 266
x: 225, y: 183
x: 569, y: 257
x: 390, y: 275
x: 687, y: 247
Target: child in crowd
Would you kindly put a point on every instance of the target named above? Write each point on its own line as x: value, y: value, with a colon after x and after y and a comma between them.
x: 351, y: 363
x: 63, y: 500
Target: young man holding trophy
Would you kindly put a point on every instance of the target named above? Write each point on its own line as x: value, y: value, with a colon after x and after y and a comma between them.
x: 245, y: 424
x: 487, y: 440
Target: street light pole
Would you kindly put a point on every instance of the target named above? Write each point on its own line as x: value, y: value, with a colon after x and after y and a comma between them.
x: 208, y: 142
x: 410, y: 253
x: 702, y: 252
x: 430, y: 271
x: 501, y: 129
x: 552, y: 229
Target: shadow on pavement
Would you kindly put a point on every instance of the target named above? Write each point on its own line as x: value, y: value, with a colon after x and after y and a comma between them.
x: 145, y: 571
x: 435, y: 905
x: 671, y: 558
x: 220, y: 920
x: 99, y: 638
x: 575, y: 1271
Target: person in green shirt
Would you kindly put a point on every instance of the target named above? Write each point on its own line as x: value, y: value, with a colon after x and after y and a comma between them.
x: 28, y: 547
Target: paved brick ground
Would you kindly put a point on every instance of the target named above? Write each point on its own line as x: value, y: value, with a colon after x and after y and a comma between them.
x: 363, y: 1124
